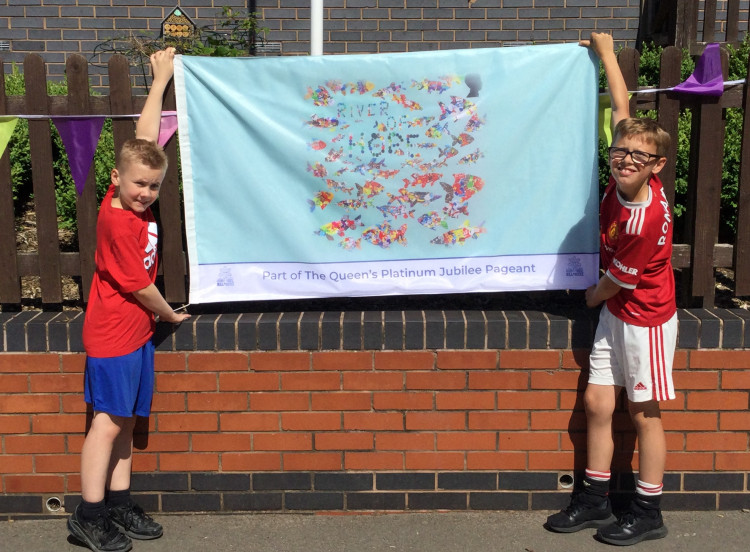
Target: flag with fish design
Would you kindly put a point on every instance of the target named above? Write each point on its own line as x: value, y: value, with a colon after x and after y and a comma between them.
x: 415, y: 173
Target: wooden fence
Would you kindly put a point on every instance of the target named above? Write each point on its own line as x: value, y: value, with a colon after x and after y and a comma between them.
x: 685, y: 20
x: 697, y: 258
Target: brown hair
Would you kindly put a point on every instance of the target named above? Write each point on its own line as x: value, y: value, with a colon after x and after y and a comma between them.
x: 146, y: 152
x: 646, y: 128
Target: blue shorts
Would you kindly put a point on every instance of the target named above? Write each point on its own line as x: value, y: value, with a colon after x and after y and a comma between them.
x: 123, y: 385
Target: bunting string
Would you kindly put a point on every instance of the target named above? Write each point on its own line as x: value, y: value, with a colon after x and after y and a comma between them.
x: 80, y: 133
x: 125, y: 116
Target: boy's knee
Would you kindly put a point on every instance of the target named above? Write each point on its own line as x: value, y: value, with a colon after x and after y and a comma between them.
x: 598, y: 401
x: 111, y: 426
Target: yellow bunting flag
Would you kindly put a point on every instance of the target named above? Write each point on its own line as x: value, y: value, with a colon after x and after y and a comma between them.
x: 7, y: 124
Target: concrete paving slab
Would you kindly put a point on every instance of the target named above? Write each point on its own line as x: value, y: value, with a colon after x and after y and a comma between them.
x: 407, y: 532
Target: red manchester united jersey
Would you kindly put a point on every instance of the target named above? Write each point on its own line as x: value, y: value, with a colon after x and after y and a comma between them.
x: 636, y: 252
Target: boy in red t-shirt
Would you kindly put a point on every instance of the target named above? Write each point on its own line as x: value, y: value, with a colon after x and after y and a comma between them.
x: 637, y: 331
x: 117, y: 332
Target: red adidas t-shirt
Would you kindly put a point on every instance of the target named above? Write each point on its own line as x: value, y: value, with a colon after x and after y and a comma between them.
x: 115, y: 323
x: 636, y: 252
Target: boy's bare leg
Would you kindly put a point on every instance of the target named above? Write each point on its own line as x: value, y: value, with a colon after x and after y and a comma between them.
x: 600, y: 406
x: 643, y: 521
x: 592, y: 508
x: 97, y: 453
x: 89, y: 523
x: 652, y: 445
x: 121, y: 460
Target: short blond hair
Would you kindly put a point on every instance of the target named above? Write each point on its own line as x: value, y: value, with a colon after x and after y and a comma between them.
x: 145, y: 152
x: 648, y: 129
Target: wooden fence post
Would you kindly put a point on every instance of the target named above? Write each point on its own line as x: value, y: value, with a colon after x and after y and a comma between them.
x: 668, y: 106
x: 37, y: 103
x: 10, y: 288
x: 120, y: 101
x: 704, y: 192
x: 172, y: 260
x: 741, y: 261
x: 629, y: 61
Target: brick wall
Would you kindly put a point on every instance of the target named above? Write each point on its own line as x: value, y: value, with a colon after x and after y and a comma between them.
x: 54, y: 29
x: 370, y: 411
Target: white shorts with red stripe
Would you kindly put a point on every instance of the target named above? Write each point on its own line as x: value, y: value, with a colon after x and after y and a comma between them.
x: 634, y: 357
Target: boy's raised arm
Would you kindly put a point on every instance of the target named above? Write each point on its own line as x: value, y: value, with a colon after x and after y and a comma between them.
x: 603, y: 46
x: 162, y: 68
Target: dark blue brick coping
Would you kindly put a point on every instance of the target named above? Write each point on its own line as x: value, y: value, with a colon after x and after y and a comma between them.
x: 387, y: 491
x: 407, y: 330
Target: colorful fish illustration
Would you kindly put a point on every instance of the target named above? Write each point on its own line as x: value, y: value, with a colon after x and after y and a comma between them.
x: 464, y: 186
x: 452, y: 210
x: 463, y: 139
x: 339, y: 227
x: 471, y: 158
x: 362, y: 87
x: 338, y: 186
x: 438, y: 86
x: 320, y: 96
x: 422, y: 179
x: 383, y: 235
x: 432, y: 220
x: 421, y: 121
x: 354, y: 204
x: 457, y: 108
x: 391, y: 89
x: 402, y: 100
x: 448, y: 152
x: 336, y: 86
x: 317, y: 145
x: 396, y: 211
x: 474, y: 123
x: 334, y: 155
x: 412, y: 198
x: 369, y: 190
x: 322, y: 199
x: 323, y: 122
x: 317, y: 169
x: 436, y: 131
x: 387, y: 174
x: 350, y: 243
x: 460, y: 235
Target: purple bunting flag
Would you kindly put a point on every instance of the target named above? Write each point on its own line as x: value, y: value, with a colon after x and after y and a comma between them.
x: 167, y: 128
x: 80, y: 137
x: 707, y: 79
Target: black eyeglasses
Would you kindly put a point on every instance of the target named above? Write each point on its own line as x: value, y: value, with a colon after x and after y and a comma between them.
x: 638, y: 157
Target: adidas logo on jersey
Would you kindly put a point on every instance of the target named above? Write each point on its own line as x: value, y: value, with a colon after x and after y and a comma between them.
x: 640, y: 387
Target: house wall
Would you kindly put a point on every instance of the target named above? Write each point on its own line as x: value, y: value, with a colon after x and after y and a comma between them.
x: 362, y: 411
x: 58, y: 28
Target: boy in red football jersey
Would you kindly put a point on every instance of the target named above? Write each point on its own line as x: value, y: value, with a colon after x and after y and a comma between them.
x: 637, y: 331
x: 117, y: 332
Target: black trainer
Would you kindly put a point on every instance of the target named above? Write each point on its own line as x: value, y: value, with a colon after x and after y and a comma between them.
x: 636, y: 525
x: 583, y: 512
x: 134, y: 522
x: 99, y: 535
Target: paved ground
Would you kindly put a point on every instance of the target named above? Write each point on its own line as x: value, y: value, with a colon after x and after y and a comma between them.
x: 431, y: 532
